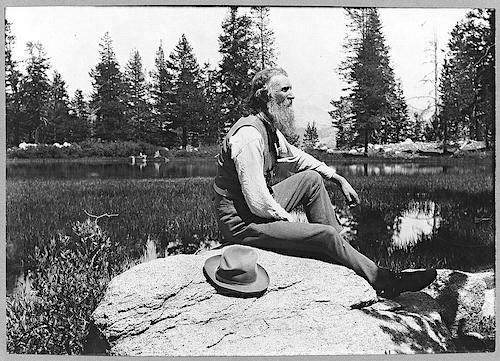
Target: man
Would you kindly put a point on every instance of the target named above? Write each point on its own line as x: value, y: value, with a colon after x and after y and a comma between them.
x: 252, y: 213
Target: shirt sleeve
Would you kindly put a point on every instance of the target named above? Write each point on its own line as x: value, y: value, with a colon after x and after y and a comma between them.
x: 247, y: 152
x: 296, y: 160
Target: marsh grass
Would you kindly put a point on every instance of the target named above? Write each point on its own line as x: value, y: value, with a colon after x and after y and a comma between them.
x: 177, y: 214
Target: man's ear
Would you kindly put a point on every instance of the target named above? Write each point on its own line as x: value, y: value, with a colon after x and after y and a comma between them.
x: 262, y: 94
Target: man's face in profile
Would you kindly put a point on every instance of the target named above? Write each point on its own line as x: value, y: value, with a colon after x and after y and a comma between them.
x: 280, y: 103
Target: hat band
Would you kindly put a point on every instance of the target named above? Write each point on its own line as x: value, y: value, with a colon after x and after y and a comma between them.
x: 233, y: 280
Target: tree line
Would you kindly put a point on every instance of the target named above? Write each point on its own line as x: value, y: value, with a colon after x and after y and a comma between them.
x: 374, y: 108
x: 178, y: 103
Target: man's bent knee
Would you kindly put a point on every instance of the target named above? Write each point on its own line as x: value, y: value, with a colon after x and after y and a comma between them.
x: 312, y: 177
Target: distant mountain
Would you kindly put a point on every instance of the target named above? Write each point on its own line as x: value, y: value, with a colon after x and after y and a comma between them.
x: 326, y: 135
x: 307, y: 113
x: 426, y: 114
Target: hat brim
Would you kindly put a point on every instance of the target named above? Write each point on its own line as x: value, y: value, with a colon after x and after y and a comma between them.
x: 255, y: 288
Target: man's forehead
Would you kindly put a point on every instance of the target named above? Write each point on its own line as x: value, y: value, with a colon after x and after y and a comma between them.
x: 279, y: 81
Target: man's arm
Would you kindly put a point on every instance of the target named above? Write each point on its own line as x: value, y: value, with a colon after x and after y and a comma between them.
x: 247, y: 152
x: 297, y: 160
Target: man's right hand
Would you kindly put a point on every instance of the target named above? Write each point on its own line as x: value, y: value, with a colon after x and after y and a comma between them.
x: 350, y: 194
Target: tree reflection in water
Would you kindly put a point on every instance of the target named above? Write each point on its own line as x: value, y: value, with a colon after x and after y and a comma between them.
x: 421, y: 219
x: 422, y: 233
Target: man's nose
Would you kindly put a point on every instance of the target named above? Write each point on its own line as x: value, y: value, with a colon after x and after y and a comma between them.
x: 291, y: 96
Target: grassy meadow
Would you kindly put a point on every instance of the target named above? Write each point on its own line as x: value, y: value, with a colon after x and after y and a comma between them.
x: 177, y: 215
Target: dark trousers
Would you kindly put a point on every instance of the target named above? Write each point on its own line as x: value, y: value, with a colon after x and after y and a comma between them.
x: 320, y: 236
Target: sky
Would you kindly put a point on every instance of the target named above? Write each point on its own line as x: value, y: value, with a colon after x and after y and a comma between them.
x: 309, y: 42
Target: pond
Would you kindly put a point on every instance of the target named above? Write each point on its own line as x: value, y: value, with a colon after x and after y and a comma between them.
x: 412, y: 215
x: 200, y: 168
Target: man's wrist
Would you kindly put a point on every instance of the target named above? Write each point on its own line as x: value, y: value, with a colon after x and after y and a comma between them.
x: 337, y: 178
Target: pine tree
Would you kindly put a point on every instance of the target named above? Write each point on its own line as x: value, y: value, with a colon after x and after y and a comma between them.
x: 419, y: 126
x: 12, y: 89
x: 449, y: 117
x: 138, y: 115
x: 80, y: 118
x: 343, y: 121
x: 237, y: 66
x: 467, y: 81
x: 263, y: 37
x: 108, y: 96
x: 162, y: 99
x: 311, y: 135
x: 377, y: 108
x: 35, y: 89
x: 400, y: 123
x: 212, y: 128
x: 187, y: 112
x: 59, y: 127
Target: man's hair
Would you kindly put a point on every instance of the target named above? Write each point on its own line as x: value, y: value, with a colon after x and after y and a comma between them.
x: 257, y: 100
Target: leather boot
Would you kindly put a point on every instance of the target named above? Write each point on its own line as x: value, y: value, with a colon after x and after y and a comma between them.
x: 391, y: 284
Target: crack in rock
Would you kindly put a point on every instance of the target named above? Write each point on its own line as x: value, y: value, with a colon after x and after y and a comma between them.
x: 362, y: 304
x: 278, y: 288
x: 223, y: 336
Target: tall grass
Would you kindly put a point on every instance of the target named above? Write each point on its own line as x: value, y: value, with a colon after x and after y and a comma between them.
x: 177, y: 213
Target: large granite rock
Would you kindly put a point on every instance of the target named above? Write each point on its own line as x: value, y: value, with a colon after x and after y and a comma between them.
x: 166, y: 307
x: 466, y: 301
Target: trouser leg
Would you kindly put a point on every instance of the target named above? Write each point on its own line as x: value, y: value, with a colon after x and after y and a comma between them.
x: 308, y: 189
x: 307, y: 237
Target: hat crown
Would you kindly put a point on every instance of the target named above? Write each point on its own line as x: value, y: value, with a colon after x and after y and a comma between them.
x: 238, y: 265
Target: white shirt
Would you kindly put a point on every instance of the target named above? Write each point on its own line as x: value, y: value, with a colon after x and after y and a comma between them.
x: 247, y: 152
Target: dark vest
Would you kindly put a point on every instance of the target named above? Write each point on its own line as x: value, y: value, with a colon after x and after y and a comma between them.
x: 226, y: 182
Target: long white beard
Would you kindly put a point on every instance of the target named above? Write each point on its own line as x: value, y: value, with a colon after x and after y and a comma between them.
x: 284, y: 116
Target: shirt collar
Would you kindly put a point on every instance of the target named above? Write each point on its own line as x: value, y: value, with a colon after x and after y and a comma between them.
x: 262, y: 116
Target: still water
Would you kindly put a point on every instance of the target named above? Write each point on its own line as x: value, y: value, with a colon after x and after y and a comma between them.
x: 199, y: 168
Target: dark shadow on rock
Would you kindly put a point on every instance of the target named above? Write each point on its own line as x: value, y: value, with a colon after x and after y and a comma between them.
x: 448, y: 297
x: 417, y: 339
x: 447, y: 305
x: 472, y: 343
x: 95, y: 343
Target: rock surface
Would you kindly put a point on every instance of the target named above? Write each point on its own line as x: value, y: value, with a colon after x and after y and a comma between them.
x: 166, y: 307
x: 466, y: 300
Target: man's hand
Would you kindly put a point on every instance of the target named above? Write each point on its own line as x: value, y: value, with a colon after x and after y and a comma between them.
x: 349, y: 192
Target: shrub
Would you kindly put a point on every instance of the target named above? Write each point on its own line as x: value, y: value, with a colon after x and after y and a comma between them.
x: 50, y: 310
x: 85, y: 149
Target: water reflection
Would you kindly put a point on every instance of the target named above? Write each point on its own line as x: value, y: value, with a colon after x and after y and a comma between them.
x: 402, y: 168
x: 432, y: 231
x: 421, y: 219
x: 198, y: 168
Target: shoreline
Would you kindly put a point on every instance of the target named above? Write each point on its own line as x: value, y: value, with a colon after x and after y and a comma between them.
x: 484, y: 158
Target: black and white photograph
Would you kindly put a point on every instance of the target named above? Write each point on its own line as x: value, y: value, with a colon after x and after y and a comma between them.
x: 268, y: 179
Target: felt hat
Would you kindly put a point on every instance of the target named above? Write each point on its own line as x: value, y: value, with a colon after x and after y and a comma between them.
x: 236, y: 272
